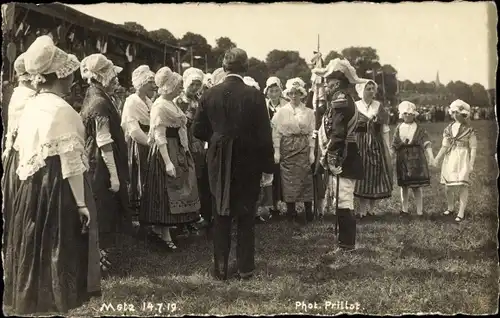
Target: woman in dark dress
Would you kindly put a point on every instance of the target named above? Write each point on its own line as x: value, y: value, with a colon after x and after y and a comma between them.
x: 275, y: 100
x: 52, y: 261
x: 170, y: 188
x: 135, y: 125
x: 107, y: 152
x: 10, y: 157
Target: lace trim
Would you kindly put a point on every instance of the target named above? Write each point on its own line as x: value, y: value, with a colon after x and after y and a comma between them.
x: 61, y: 145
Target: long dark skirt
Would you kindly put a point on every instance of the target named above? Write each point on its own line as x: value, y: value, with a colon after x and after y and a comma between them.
x: 296, y: 172
x: 138, y: 163
x: 277, y: 191
x: 10, y: 186
x: 377, y: 181
x: 50, y: 266
x: 167, y: 200
x: 114, y: 215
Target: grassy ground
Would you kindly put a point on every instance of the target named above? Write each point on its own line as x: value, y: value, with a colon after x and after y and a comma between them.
x: 402, y: 265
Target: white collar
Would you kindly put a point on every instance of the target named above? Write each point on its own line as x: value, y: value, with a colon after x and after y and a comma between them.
x: 235, y: 75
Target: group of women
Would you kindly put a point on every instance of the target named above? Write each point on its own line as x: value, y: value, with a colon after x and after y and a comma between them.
x: 73, y: 181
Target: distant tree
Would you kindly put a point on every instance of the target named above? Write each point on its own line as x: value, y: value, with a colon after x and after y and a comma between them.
x: 257, y: 69
x: 200, y: 47
x: 363, y: 59
x: 480, y: 95
x: 164, y: 36
x: 222, y: 45
x: 136, y: 27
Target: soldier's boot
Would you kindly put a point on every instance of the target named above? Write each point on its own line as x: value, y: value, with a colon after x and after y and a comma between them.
x: 347, y: 229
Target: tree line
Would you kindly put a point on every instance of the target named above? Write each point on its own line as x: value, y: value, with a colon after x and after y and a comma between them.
x: 289, y: 64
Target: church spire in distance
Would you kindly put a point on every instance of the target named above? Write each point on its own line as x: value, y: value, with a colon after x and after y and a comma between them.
x: 437, y: 82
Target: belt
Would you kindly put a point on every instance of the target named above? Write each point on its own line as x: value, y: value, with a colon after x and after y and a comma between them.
x: 361, y: 129
x: 172, y: 132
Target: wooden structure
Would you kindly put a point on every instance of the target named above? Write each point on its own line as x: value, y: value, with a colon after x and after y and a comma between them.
x: 82, y: 35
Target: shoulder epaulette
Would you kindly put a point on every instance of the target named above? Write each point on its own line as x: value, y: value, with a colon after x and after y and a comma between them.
x: 340, y: 101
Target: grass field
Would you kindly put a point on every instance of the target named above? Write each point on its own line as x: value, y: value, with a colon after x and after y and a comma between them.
x: 429, y: 265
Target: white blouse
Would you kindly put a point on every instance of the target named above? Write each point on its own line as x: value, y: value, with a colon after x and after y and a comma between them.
x: 135, y: 112
x: 48, y: 127
x: 165, y: 114
x: 407, y: 131
x: 288, y: 121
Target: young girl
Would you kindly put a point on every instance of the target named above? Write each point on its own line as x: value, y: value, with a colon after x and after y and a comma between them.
x: 459, y: 152
x: 411, y: 144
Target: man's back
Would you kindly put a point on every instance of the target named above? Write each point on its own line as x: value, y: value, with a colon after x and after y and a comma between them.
x: 236, y: 110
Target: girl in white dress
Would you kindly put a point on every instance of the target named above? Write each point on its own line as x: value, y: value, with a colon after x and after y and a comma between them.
x: 458, y: 152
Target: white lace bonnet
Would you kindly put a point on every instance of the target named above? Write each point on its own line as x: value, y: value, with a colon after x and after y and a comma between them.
x: 141, y: 76
x: 295, y: 83
x: 44, y: 57
x: 100, y: 68
x: 251, y: 82
x: 166, y: 80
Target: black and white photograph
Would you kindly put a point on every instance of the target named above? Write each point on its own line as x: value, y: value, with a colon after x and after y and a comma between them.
x: 286, y: 158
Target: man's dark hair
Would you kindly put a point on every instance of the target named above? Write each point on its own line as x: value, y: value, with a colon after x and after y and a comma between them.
x: 235, y: 61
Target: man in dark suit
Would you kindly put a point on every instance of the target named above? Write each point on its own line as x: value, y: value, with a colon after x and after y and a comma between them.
x: 232, y: 117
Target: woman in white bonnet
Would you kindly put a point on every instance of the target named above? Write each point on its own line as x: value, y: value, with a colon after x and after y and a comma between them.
x: 372, y: 137
x: 54, y: 245
x: 293, y: 127
x: 10, y: 157
x: 107, y: 151
x: 187, y: 101
x: 135, y: 125
x: 170, y: 188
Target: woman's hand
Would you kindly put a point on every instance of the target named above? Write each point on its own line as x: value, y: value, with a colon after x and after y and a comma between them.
x: 84, y: 216
x: 170, y: 169
x: 277, y: 157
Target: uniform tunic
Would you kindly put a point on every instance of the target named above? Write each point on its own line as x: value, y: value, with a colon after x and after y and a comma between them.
x: 339, y: 147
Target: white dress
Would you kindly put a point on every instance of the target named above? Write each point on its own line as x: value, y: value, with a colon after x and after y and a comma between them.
x: 459, y: 140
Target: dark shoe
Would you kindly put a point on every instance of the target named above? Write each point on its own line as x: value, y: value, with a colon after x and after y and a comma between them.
x: 403, y: 213
x: 232, y: 272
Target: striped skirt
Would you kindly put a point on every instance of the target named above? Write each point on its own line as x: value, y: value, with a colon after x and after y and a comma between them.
x: 170, y: 200
x: 377, y: 182
x: 296, y: 172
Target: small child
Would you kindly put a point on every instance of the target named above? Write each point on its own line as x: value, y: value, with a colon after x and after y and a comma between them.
x: 411, y: 144
x: 458, y: 152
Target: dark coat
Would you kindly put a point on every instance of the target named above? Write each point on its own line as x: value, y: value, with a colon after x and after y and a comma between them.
x: 233, y: 118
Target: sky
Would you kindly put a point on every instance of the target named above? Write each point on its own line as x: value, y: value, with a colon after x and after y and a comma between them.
x: 418, y: 39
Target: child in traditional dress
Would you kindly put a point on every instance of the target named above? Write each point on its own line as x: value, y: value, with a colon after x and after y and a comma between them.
x: 412, y: 147
x: 458, y: 152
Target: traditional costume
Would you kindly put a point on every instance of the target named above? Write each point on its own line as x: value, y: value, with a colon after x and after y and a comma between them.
x: 371, y: 135
x: 293, y: 128
x: 339, y: 148
x: 135, y: 125
x: 52, y: 261
x: 169, y: 200
x: 410, y: 144
x: 106, y: 149
x: 10, y: 157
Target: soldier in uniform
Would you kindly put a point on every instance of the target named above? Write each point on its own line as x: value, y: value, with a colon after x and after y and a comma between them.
x: 339, y: 151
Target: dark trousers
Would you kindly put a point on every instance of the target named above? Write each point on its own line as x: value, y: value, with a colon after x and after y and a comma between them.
x: 206, y: 201
x: 244, y: 213
x: 347, y: 228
